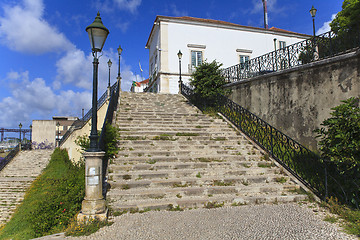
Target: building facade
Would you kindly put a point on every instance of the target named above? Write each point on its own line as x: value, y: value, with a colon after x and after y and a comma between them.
x: 205, y: 39
x: 139, y: 86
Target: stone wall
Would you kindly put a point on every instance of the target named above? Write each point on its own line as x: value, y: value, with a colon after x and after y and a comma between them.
x: 297, y: 100
x: 75, y: 153
x: 44, y: 131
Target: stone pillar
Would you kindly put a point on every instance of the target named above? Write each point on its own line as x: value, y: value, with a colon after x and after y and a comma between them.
x: 108, y: 93
x: 93, y: 205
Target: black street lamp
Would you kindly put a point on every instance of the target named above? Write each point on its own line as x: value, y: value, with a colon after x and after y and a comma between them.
x: 30, y: 133
x: 109, y: 64
x: 119, y: 77
x: 58, y: 133
x: 313, y: 13
x: 97, y: 35
x: 20, y: 126
x: 179, y: 54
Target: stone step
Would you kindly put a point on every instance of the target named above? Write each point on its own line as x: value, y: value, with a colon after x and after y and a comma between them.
x: 161, y: 193
x: 161, y: 181
x: 17, y: 176
x: 154, y: 166
x: 195, y: 172
x: 198, y: 202
x: 203, y: 157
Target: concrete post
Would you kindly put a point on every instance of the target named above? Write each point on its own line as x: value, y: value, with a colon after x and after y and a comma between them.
x: 93, y: 205
x: 108, y: 93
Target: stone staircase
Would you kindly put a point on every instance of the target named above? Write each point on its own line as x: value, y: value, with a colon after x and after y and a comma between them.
x: 173, y: 156
x: 17, y: 176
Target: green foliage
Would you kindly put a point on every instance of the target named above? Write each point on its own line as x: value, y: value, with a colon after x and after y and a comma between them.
x: 307, y: 54
x: 76, y: 229
x: 83, y: 142
x: 351, y: 217
x: 111, y: 138
x: 348, y: 18
x: 340, y: 136
x: 207, y: 81
x: 51, y: 202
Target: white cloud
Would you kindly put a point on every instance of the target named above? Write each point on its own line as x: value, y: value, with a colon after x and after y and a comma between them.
x: 34, y: 99
x: 258, y: 6
x: 74, y: 68
x: 123, y: 26
x: 326, y: 26
x: 176, y: 12
x: 23, y: 29
x: 130, y: 5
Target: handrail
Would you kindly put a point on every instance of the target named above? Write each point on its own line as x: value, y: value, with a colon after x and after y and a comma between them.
x: 113, y: 102
x: 9, y: 157
x: 310, y: 50
x: 81, y: 122
x: 319, y: 175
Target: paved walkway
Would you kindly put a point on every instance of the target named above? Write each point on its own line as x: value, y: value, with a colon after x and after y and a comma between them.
x: 283, y: 221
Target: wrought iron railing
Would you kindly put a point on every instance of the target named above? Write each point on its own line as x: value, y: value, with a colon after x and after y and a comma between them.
x: 81, y: 122
x: 321, y: 176
x: 9, y: 157
x: 113, y: 102
x: 323, y: 46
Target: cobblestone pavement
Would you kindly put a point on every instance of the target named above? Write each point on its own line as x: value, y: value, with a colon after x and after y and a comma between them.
x: 283, y: 221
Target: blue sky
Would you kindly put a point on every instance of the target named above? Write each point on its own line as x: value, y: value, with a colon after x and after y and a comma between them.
x: 46, y: 66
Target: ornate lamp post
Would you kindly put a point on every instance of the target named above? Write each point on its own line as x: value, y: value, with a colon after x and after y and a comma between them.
x: 313, y: 13
x: 20, y: 126
x: 58, y: 133
x: 93, y: 205
x: 179, y: 54
x: 119, y: 77
x: 30, y: 145
x: 109, y: 64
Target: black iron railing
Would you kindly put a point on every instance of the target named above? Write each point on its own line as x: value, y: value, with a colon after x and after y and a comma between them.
x: 81, y: 122
x: 113, y: 102
x: 9, y: 157
x: 321, y: 176
x: 323, y: 46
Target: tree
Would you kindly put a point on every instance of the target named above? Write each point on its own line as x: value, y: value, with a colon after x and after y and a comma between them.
x: 207, y: 81
x: 340, y: 137
x: 348, y: 19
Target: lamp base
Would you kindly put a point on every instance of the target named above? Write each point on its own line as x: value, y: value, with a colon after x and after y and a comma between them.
x: 85, y: 218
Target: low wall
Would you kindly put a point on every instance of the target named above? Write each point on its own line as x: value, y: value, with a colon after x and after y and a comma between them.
x: 74, y: 150
x: 297, y: 100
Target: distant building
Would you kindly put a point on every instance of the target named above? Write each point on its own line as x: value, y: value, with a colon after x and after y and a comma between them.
x: 205, y: 39
x: 139, y: 86
x: 51, y: 131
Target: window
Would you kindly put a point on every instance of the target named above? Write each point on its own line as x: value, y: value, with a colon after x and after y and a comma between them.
x: 244, y: 62
x: 282, y: 44
x: 196, y: 58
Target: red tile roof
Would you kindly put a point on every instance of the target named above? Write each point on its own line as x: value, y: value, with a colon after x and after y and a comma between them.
x: 194, y: 19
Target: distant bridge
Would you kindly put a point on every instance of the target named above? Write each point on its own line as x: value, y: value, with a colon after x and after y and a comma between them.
x: 14, y: 130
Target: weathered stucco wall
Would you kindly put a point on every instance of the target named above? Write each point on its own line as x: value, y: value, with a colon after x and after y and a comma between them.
x: 74, y: 150
x: 44, y: 131
x: 297, y: 100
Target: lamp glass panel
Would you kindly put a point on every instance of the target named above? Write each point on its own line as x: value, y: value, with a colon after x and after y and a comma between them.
x: 97, y: 38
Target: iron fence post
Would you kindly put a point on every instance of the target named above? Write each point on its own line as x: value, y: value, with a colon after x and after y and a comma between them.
x: 326, y: 183
x: 271, y: 142
x: 288, y: 50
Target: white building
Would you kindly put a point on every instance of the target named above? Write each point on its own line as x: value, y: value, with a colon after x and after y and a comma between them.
x: 139, y: 86
x: 205, y: 39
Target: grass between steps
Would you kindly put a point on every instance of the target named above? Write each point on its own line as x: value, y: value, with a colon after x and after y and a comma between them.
x: 51, y: 202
